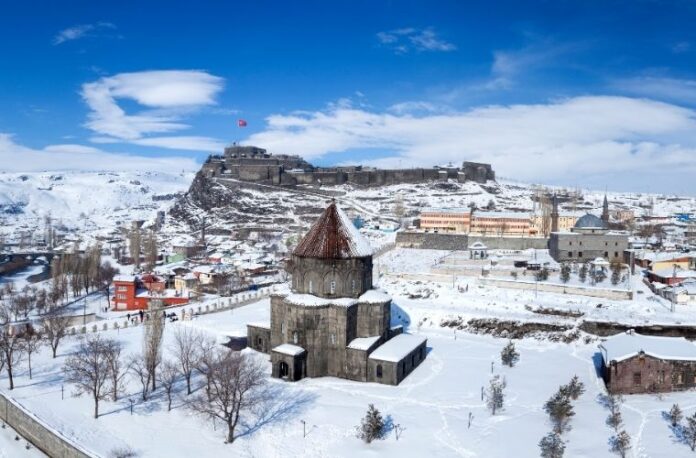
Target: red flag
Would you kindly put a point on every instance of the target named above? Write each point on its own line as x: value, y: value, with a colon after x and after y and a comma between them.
x: 241, y: 123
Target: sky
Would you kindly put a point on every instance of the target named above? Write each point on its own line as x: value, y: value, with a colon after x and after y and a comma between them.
x: 592, y: 94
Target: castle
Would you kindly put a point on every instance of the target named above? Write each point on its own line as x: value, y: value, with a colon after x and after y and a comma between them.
x: 250, y: 163
x: 332, y: 322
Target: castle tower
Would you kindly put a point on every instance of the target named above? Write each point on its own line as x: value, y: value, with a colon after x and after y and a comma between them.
x: 554, y: 213
x: 605, y: 209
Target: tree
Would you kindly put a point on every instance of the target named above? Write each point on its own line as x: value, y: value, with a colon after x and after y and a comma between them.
x: 54, y: 328
x: 139, y: 369
x: 152, y: 342
x: 88, y: 370
x: 187, y: 347
x: 167, y: 376
x: 12, y: 343
x: 552, y: 446
x: 565, y: 273
x: 372, y: 425
x: 575, y: 388
x: 236, y: 385
x: 690, y: 431
x: 207, y: 360
x: 675, y: 415
x: 134, y: 244
x: 582, y: 274
x: 112, y: 350
x: 614, y: 420
x: 621, y: 444
x: 106, y: 276
x: 543, y: 274
x: 495, y: 394
x: 32, y: 343
x: 509, y: 355
x: 560, y: 411
x: 151, y: 250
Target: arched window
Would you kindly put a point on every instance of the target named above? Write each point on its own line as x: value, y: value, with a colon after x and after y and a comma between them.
x: 379, y: 371
x: 311, y: 287
x: 352, y: 286
x: 295, y: 336
x: 332, y: 286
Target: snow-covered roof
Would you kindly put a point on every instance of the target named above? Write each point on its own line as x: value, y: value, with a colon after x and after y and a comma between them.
x: 373, y: 296
x: 589, y: 221
x: 506, y: 215
x: 125, y: 278
x: 333, y: 236
x: 670, y: 272
x: 478, y: 245
x: 363, y: 343
x: 628, y: 344
x: 264, y: 325
x: 289, y: 349
x: 397, y: 348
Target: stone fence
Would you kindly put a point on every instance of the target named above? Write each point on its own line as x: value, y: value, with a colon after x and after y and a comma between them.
x: 460, y: 242
x: 33, y: 429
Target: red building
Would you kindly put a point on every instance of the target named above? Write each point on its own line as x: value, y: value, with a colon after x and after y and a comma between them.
x: 135, y: 293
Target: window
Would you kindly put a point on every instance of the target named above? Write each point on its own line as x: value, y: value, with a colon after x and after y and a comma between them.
x: 295, y: 336
x: 282, y: 328
x: 680, y: 378
x: 606, y: 254
x: 579, y: 254
x: 616, y: 254
x: 311, y: 287
x: 123, y: 288
x: 379, y: 371
x: 661, y: 377
x: 636, y: 378
x: 352, y: 286
x: 332, y: 287
x: 333, y: 339
x: 580, y: 243
x: 570, y: 254
x: 570, y: 243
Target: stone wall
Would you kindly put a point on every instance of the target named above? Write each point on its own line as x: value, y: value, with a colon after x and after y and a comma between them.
x: 646, y: 374
x: 32, y: 429
x: 394, y: 372
x: 259, y: 338
x: 460, y: 242
x: 350, y: 277
x: 615, y: 294
x: 583, y: 247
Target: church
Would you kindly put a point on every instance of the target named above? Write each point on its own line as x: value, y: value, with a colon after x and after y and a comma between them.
x: 330, y: 321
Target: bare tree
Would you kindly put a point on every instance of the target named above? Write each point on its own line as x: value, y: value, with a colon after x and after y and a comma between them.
x: 11, y: 341
x: 152, y: 342
x: 106, y: 277
x: 188, y: 348
x: 236, y: 385
x: 139, y: 369
x: 32, y: 343
x: 113, y: 349
x: 88, y: 370
x: 167, y: 376
x: 206, y: 361
x: 54, y: 328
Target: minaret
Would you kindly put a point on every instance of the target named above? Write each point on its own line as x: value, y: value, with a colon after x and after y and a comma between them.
x: 605, y: 209
x: 554, y: 213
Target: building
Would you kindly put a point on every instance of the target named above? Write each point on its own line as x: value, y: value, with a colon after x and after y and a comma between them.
x: 501, y: 224
x: 457, y: 220
x: 634, y: 363
x: 589, y: 239
x: 670, y: 275
x: 132, y: 292
x: 331, y: 321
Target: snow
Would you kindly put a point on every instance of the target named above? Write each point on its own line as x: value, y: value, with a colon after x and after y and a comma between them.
x: 628, y: 344
x: 125, y: 278
x: 374, y: 296
x: 363, y: 343
x: 396, y: 348
x: 310, y: 300
x: 289, y: 349
x: 11, y: 448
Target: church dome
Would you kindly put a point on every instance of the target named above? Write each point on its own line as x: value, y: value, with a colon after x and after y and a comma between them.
x: 590, y: 221
x: 333, y: 236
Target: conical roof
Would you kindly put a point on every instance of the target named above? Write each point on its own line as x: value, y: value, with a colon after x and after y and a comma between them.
x: 333, y: 236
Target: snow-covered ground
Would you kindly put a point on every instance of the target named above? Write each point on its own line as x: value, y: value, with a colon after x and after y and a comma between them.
x: 432, y: 405
x: 13, y: 445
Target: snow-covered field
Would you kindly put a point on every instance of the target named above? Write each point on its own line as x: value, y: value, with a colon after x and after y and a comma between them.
x: 432, y: 405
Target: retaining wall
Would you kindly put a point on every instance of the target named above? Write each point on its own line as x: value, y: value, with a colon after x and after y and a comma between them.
x: 51, y: 442
x: 616, y: 294
x: 460, y: 242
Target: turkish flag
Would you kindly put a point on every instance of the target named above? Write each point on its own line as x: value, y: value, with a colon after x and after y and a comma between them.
x: 241, y: 123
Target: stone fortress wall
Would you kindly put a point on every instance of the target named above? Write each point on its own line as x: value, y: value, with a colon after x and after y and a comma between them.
x: 253, y: 164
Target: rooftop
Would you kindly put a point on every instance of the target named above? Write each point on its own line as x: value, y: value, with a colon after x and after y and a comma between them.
x: 397, y: 348
x: 333, y: 236
x: 289, y: 349
x: 624, y: 346
x: 589, y: 221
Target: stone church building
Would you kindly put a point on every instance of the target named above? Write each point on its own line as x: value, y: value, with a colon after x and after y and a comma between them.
x: 331, y: 321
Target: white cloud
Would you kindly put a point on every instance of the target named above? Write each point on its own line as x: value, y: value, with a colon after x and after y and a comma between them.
x: 81, y: 31
x: 568, y: 141
x: 167, y: 96
x: 672, y: 89
x: 18, y: 158
x: 411, y: 39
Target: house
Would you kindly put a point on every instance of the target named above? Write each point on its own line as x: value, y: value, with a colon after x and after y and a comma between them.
x: 331, y: 321
x: 670, y: 275
x: 186, y: 281
x: 132, y: 292
x: 683, y: 293
x: 633, y: 363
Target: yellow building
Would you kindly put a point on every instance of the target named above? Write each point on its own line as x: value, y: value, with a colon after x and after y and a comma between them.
x: 455, y: 220
x: 565, y: 223
x: 499, y: 224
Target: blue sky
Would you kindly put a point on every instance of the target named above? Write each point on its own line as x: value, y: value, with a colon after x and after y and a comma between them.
x: 573, y: 93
